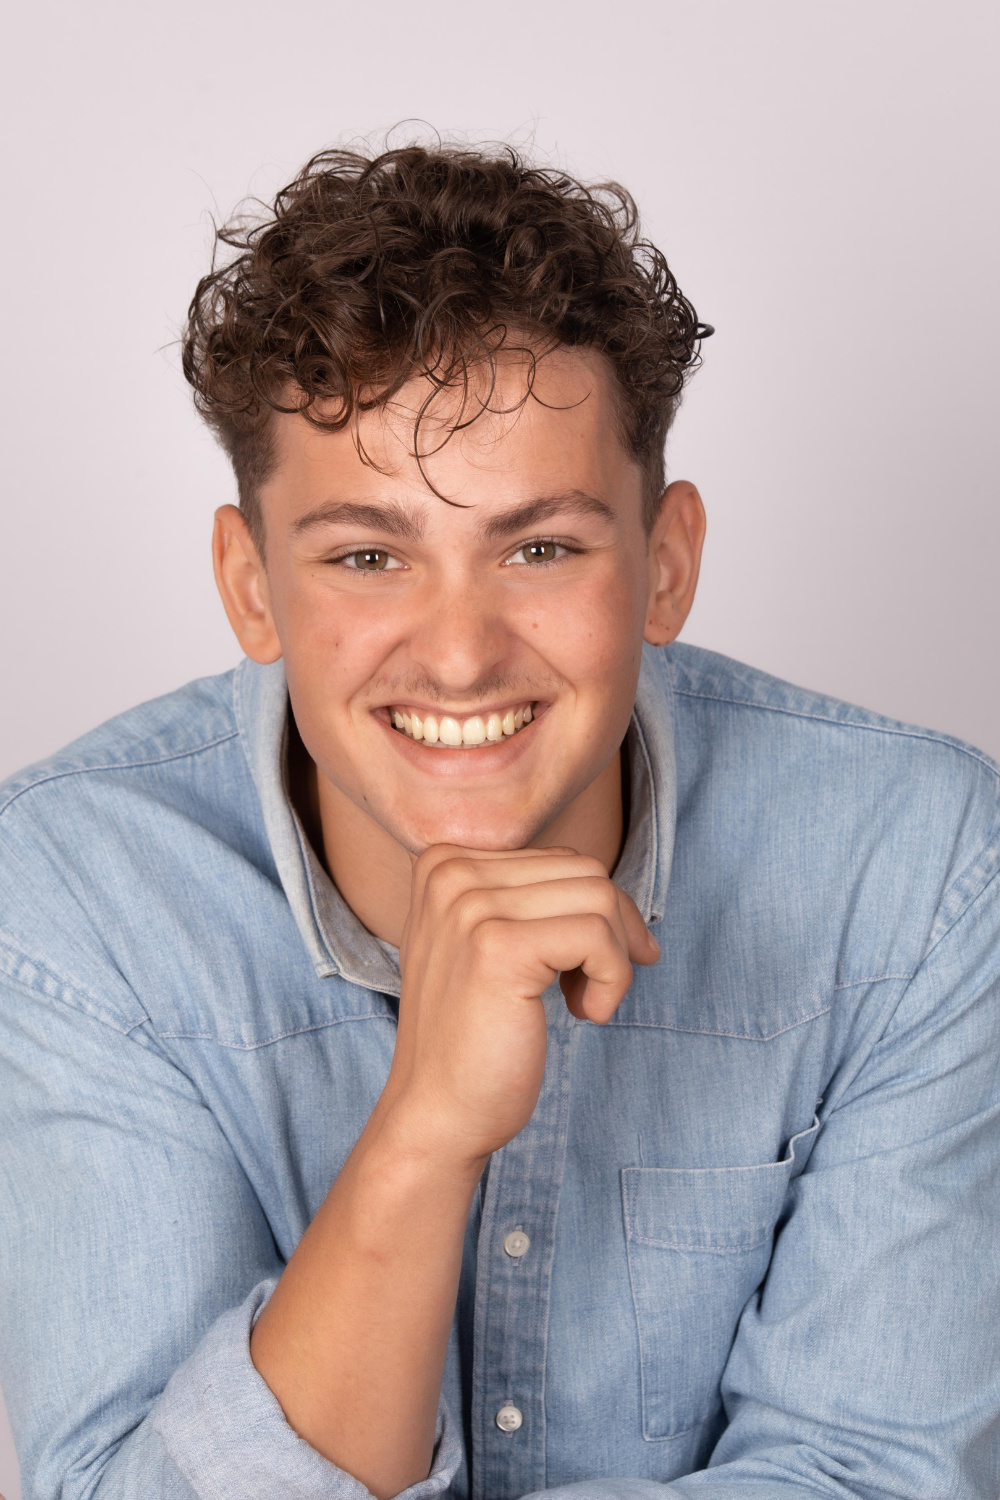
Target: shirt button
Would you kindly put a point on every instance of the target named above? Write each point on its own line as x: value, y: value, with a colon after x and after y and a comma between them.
x: 509, y: 1419
x: 516, y: 1243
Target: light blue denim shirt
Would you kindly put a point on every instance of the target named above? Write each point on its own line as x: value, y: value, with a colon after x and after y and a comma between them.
x: 762, y: 1205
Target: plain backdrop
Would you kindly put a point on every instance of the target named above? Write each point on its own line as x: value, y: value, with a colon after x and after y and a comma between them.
x: 822, y: 176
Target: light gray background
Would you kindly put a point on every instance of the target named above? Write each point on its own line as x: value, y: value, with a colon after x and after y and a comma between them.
x: 822, y: 176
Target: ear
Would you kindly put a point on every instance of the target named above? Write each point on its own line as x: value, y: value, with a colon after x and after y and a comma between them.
x: 242, y: 583
x: 674, y: 558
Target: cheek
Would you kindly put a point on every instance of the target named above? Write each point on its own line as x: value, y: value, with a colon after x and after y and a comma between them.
x: 333, y: 643
x: 593, y: 632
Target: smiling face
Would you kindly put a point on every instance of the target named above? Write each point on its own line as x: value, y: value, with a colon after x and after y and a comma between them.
x: 463, y: 673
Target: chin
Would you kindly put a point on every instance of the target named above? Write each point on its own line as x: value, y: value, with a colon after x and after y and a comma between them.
x: 470, y: 831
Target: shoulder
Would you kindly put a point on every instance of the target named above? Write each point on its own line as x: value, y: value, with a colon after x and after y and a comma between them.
x: 100, y: 842
x: 713, y: 679
x: 727, y: 701
x: 190, y: 720
x: 176, y: 763
x: 885, y: 828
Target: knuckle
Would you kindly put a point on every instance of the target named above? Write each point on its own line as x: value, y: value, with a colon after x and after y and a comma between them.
x: 488, y: 939
x: 448, y: 878
x: 469, y: 907
x: 433, y: 856
x: 598, y: 928
x: 602, y: 893
x: 434, y: 882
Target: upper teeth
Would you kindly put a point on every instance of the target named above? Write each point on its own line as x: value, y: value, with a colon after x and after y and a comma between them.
x: 477, y: 730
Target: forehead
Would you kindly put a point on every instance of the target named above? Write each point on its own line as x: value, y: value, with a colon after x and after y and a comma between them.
x: 523, y: 430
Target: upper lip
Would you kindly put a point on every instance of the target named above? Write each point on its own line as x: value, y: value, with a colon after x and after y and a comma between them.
x: 406, y: 705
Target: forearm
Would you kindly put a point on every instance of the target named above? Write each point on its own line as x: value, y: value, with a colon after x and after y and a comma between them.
x: 354, y: 1338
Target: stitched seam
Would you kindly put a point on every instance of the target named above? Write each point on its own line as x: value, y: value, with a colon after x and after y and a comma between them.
x: 127, y: 765
x: 207, y: 1036
x: 738, y: 1036
x: 798, y: 713
x: 963, y: 913
x: 74, y: 1004
x: 738, y: 1247
x: 849, y: 984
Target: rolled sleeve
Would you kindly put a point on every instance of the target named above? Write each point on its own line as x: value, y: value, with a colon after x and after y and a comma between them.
x: 227, y: 1434
x: 129, y: 1237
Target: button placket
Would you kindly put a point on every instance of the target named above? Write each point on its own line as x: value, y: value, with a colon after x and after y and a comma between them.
x: 513, y: 1287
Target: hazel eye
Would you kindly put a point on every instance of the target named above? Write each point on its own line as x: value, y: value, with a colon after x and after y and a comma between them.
x: 539, y: 552
x: 371, y: 560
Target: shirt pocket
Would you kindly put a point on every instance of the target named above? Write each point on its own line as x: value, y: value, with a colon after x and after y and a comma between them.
x: 699, y: 1242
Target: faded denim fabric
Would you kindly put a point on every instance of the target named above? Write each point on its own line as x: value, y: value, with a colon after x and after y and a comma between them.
x: 762, y: 1202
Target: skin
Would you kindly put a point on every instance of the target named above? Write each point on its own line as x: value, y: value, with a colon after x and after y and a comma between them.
x: 488, y: 866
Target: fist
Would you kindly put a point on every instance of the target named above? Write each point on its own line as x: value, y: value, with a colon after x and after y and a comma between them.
x: 487, y: 933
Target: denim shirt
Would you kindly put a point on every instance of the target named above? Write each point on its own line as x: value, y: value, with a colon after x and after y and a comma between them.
x: 760, y: 1249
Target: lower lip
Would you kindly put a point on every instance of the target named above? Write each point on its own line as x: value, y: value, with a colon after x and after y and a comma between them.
x: 477, y: 760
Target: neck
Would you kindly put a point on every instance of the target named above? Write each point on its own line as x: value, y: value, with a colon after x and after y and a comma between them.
x: 371, y: 870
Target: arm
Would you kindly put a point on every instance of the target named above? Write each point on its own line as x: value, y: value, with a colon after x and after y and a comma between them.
x: 135, y: 1256
x: 353, y: 1341
x: 130, y: 1236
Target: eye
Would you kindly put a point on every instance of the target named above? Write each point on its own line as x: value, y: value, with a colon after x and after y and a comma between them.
x: 539, y: 552
x: 369, y: 560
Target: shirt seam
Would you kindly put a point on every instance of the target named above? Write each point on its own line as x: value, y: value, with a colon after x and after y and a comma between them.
x: 122, y: 765
x: 74, y: 999
x: 889, y: 1021
x: 850, y: 984
x: 901, y: 732
x: 208, y: 1036
x: 737, y: 1036
x: 976, y: 896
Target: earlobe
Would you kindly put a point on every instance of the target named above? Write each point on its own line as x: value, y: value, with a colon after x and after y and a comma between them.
x: 242, y: 583
x: 674, y: 560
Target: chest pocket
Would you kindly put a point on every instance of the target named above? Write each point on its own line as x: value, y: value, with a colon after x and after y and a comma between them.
x: 699, y: 1243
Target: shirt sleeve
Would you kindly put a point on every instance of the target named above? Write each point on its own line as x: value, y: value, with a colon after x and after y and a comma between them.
x: 868, y: 1365
x: 135, y: 1258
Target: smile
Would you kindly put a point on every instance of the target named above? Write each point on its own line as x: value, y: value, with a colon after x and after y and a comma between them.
x: 461, y: 734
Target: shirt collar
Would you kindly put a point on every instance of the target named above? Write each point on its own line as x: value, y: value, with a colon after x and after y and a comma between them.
x: 336, y: 941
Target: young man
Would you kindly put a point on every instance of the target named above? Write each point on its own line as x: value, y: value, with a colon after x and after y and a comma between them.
x: 466, y: 1050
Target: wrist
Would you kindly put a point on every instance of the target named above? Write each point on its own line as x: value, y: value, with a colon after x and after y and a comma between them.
x: 413, y: 1136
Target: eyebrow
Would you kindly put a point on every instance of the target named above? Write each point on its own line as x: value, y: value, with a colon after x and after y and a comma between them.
x: 523, y: 517
x: 392, y: 520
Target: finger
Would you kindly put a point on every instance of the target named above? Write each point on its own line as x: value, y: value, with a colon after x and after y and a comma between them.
x: 642, y: 945
x: 435, y: 853
x: 487, y: 863
x: 571, y: 896
x: 550, y: 945
x: 453, y: 871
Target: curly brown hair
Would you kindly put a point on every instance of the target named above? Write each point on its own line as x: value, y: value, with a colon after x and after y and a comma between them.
x: 370, y: 270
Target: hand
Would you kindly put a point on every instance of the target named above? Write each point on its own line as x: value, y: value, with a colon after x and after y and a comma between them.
x: 486, y: 934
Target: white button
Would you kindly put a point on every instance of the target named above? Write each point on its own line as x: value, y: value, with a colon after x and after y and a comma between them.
x: 509, y: 1419
x: 516, y: 1243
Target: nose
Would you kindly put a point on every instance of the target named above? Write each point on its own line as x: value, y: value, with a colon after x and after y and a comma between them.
x: 460, y: 639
